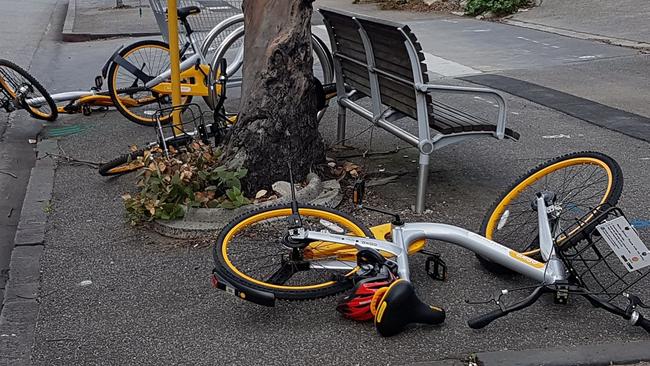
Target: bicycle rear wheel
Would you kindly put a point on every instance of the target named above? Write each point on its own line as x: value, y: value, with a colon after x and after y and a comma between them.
x: 252, y: 250
x: 18, y: 84
x: 232, y: 50
x: 126, y: 163
x: 129, y: 94
x: 581, y: 182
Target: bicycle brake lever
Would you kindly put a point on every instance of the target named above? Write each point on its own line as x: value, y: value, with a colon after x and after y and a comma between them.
x: 635, y: 302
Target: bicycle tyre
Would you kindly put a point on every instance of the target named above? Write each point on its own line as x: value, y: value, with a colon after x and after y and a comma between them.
x: 35, y: 112
x: 124, y: 164
x: 500, y: 213
x: 137, y: 54
x: 224, y: 260
x: 320, y: 51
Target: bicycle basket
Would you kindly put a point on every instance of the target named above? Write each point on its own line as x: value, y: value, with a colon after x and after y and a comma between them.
x: 192, y: 126
x: 593, y: 263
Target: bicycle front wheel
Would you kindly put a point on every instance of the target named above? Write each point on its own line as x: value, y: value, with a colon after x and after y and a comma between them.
x: 580, y: 181
x: 254, y: 250
x: 126, y: 163
x: 16, y: 83
x: 129, y: 94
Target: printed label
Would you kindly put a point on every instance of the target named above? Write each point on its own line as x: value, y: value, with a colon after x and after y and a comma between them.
x: 625, y: 242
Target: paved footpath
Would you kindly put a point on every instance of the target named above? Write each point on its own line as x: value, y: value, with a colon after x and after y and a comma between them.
x: 620, y: 20
x: 113, y: 294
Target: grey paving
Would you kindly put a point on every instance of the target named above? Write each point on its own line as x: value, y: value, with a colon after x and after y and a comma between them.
x: 611, y: 118
x: 150, y: 301
x: 97, y: 19
x: 619, y: 82
x: 625, y: 19
x: 583, y: 355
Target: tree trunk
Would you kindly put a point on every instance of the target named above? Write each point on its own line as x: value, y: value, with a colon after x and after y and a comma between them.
x: 277, y: 121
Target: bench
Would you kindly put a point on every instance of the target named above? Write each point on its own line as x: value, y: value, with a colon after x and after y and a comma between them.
x: 383, y: 61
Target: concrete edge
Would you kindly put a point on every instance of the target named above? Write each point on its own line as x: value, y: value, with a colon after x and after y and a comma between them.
x: 201, y: 223
x: 643, y: 46
x: 595, y: 355
x: 21, y: 306
x: 68, y: 24
x: 68, y: 34
x: 85, y: 37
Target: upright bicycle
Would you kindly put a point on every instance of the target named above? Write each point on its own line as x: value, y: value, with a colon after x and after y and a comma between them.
x: 141, y: 70
x: 551, y: 222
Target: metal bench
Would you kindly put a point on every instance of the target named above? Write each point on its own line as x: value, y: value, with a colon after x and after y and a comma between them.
x: 383, y: 60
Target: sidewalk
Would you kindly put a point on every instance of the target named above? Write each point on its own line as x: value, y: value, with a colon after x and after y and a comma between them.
x: 622, y: 22
x: 96, y: 19
x: 113, y: 294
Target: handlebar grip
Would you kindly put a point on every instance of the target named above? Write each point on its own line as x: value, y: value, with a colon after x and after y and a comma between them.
x: 643, y: 323
x: 482, y: 321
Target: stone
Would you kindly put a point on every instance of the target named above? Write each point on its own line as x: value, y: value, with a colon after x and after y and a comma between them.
x: 282, y: 188
x: 431, y: 2
x: 489, y: 15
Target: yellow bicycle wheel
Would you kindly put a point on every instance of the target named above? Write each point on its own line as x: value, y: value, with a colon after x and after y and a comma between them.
x: 580, y: 181
x: 17, y: 85
x: 254, y: 250
x: 129, y: 94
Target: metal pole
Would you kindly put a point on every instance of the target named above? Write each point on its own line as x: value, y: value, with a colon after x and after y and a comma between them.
x: 174, y: 56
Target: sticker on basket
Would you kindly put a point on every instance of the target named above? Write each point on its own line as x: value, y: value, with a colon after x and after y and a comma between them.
x: 625, y: 243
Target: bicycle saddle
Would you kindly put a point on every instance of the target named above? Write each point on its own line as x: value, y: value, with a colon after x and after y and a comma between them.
x: 399, y: 307
x: 186, y: 11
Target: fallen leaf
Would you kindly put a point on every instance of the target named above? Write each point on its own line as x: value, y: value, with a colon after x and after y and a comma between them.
x: 260, y: 194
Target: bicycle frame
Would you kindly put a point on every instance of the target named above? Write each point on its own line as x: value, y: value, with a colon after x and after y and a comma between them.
x: 549, y: 272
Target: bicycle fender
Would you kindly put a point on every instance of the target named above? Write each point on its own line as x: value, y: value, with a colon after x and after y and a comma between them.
x: 110, y: 59
x: 243, y: 292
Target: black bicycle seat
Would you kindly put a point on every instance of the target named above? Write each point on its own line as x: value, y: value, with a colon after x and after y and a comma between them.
x: 400, y: 306
x: 186, y: 11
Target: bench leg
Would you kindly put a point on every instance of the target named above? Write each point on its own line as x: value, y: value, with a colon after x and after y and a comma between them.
x: 340, y: 132
x: 423, y: 175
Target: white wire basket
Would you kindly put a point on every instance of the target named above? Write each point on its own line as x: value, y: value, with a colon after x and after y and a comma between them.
x: 212, y: 13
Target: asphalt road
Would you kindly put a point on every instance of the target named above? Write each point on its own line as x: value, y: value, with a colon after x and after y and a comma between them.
x: 150, y: 300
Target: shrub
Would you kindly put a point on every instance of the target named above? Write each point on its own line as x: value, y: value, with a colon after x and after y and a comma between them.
x: 498, y: 7
x: 192, y: 178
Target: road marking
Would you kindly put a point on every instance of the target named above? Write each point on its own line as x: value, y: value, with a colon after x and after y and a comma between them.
x: 446, y: 67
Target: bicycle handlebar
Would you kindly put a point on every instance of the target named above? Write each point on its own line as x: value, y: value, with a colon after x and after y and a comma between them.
x: 482, y: 321
x: 643, y: 323
x: 485, y: 319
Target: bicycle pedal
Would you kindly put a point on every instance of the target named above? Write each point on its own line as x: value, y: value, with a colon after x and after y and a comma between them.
x: 435, y: 266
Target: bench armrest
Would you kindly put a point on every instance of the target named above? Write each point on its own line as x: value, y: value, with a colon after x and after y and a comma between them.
x: 501, y: 121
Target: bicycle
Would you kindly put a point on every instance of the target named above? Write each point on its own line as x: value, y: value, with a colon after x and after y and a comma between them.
x: 138, y: 77
x: 20, y: 90
x: 141, y: 70
x: 302, y: 252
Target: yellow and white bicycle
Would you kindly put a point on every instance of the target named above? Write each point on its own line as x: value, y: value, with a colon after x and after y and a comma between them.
x: 553, y: 226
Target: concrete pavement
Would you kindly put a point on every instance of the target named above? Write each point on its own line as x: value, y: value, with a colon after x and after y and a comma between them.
x: 621, y: 20
x: 97, y: 19
x: 149, y: 301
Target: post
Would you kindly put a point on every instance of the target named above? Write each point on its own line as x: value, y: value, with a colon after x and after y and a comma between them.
x: 174, y: 58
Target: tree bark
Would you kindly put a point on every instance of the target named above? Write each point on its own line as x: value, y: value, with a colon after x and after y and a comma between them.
x: 277, y: 121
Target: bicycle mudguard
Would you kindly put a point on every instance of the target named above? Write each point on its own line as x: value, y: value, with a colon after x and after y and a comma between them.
x: 243, y: 292
x: 108, y: 62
